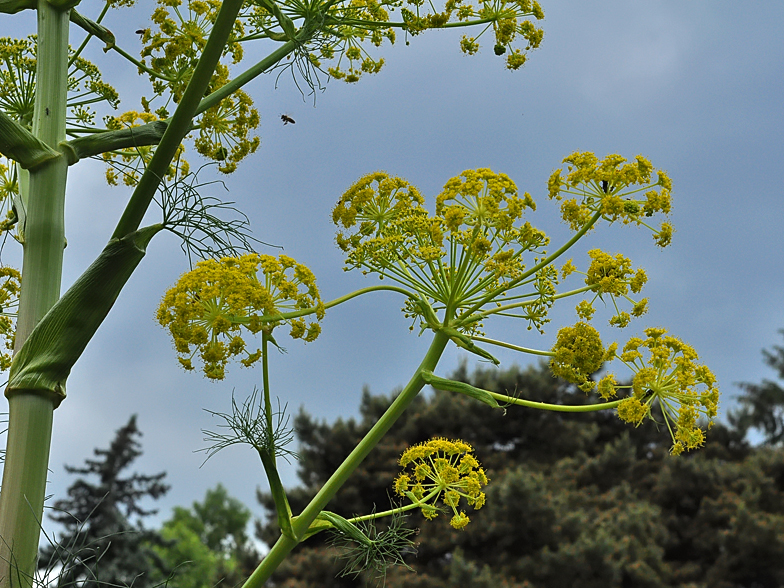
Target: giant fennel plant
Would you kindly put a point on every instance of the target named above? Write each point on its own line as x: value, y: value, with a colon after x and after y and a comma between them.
x: 473, y: 259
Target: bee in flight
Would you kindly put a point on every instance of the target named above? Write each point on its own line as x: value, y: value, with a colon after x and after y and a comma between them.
x: 287, y: 119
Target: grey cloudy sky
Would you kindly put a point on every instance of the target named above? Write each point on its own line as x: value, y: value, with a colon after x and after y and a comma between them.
x: 695, y: 86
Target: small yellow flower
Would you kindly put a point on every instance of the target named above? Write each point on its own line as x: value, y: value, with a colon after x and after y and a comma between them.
x: 445, y: 470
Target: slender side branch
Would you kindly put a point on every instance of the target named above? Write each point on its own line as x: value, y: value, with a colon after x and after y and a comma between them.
x: 555, y: 407
x: 93, y: 28
x: 278, y: 493
x: 284, y: 316
x: 512, y: 347
x: 246, y: 76
x: 481, y: 394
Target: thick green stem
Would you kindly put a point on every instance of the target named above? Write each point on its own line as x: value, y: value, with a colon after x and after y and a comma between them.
x: 21, y: 507
x: 285, y: 544
x: 181, y: 122
x: 30, y: 414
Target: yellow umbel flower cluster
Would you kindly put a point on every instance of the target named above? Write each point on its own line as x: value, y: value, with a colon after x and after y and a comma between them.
x: 463, y: 258
x: 172, y: 47
x: 445, y: 470
x: 610, y: 275
x: 208, y: 308
x: 671, y: 377
x: 127, y: 165
x: 370, y: 206
x: 616, y: 189
x: 18, y: 66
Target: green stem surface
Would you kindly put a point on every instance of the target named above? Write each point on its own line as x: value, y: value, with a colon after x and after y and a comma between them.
x: 30, y: 414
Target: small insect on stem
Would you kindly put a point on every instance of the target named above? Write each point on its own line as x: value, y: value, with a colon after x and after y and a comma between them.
x: 605, y: 187
x: 47, y: 111
x: 287, y: 119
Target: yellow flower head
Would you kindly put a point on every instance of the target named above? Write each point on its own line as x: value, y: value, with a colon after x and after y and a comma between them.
x: 671, y: 378
x: 481, y: 199
x: 209, y: 306
x: 611, y: 187
x: 369, y: 207
x: 442, y: 470
x: 579, y: 352
x: 464, y: 258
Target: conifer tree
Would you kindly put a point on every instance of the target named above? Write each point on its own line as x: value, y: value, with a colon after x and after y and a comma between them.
x: 104, y: 541
x: 574, y: 501
x: 762, y: 405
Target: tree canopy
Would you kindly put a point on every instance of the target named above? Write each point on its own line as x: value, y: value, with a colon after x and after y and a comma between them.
x: 573, y: 501
x: 104, y: 540
x: 207, y: 545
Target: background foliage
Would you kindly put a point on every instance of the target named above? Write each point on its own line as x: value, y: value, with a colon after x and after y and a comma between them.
x: 574, y: 500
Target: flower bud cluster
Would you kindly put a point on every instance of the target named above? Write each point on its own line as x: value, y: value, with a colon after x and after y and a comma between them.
x: 579, y: 353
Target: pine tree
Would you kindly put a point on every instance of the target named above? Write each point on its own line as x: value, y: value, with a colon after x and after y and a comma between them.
x: 574, y: 501
x: 762, y: 405
x: 104, y: 541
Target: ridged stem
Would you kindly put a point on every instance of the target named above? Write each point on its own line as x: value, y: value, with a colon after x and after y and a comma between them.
x: 29, y: 411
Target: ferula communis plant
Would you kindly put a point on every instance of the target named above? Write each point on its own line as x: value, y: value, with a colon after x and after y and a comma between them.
x: 476, y: 258
x: 473, y: 259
